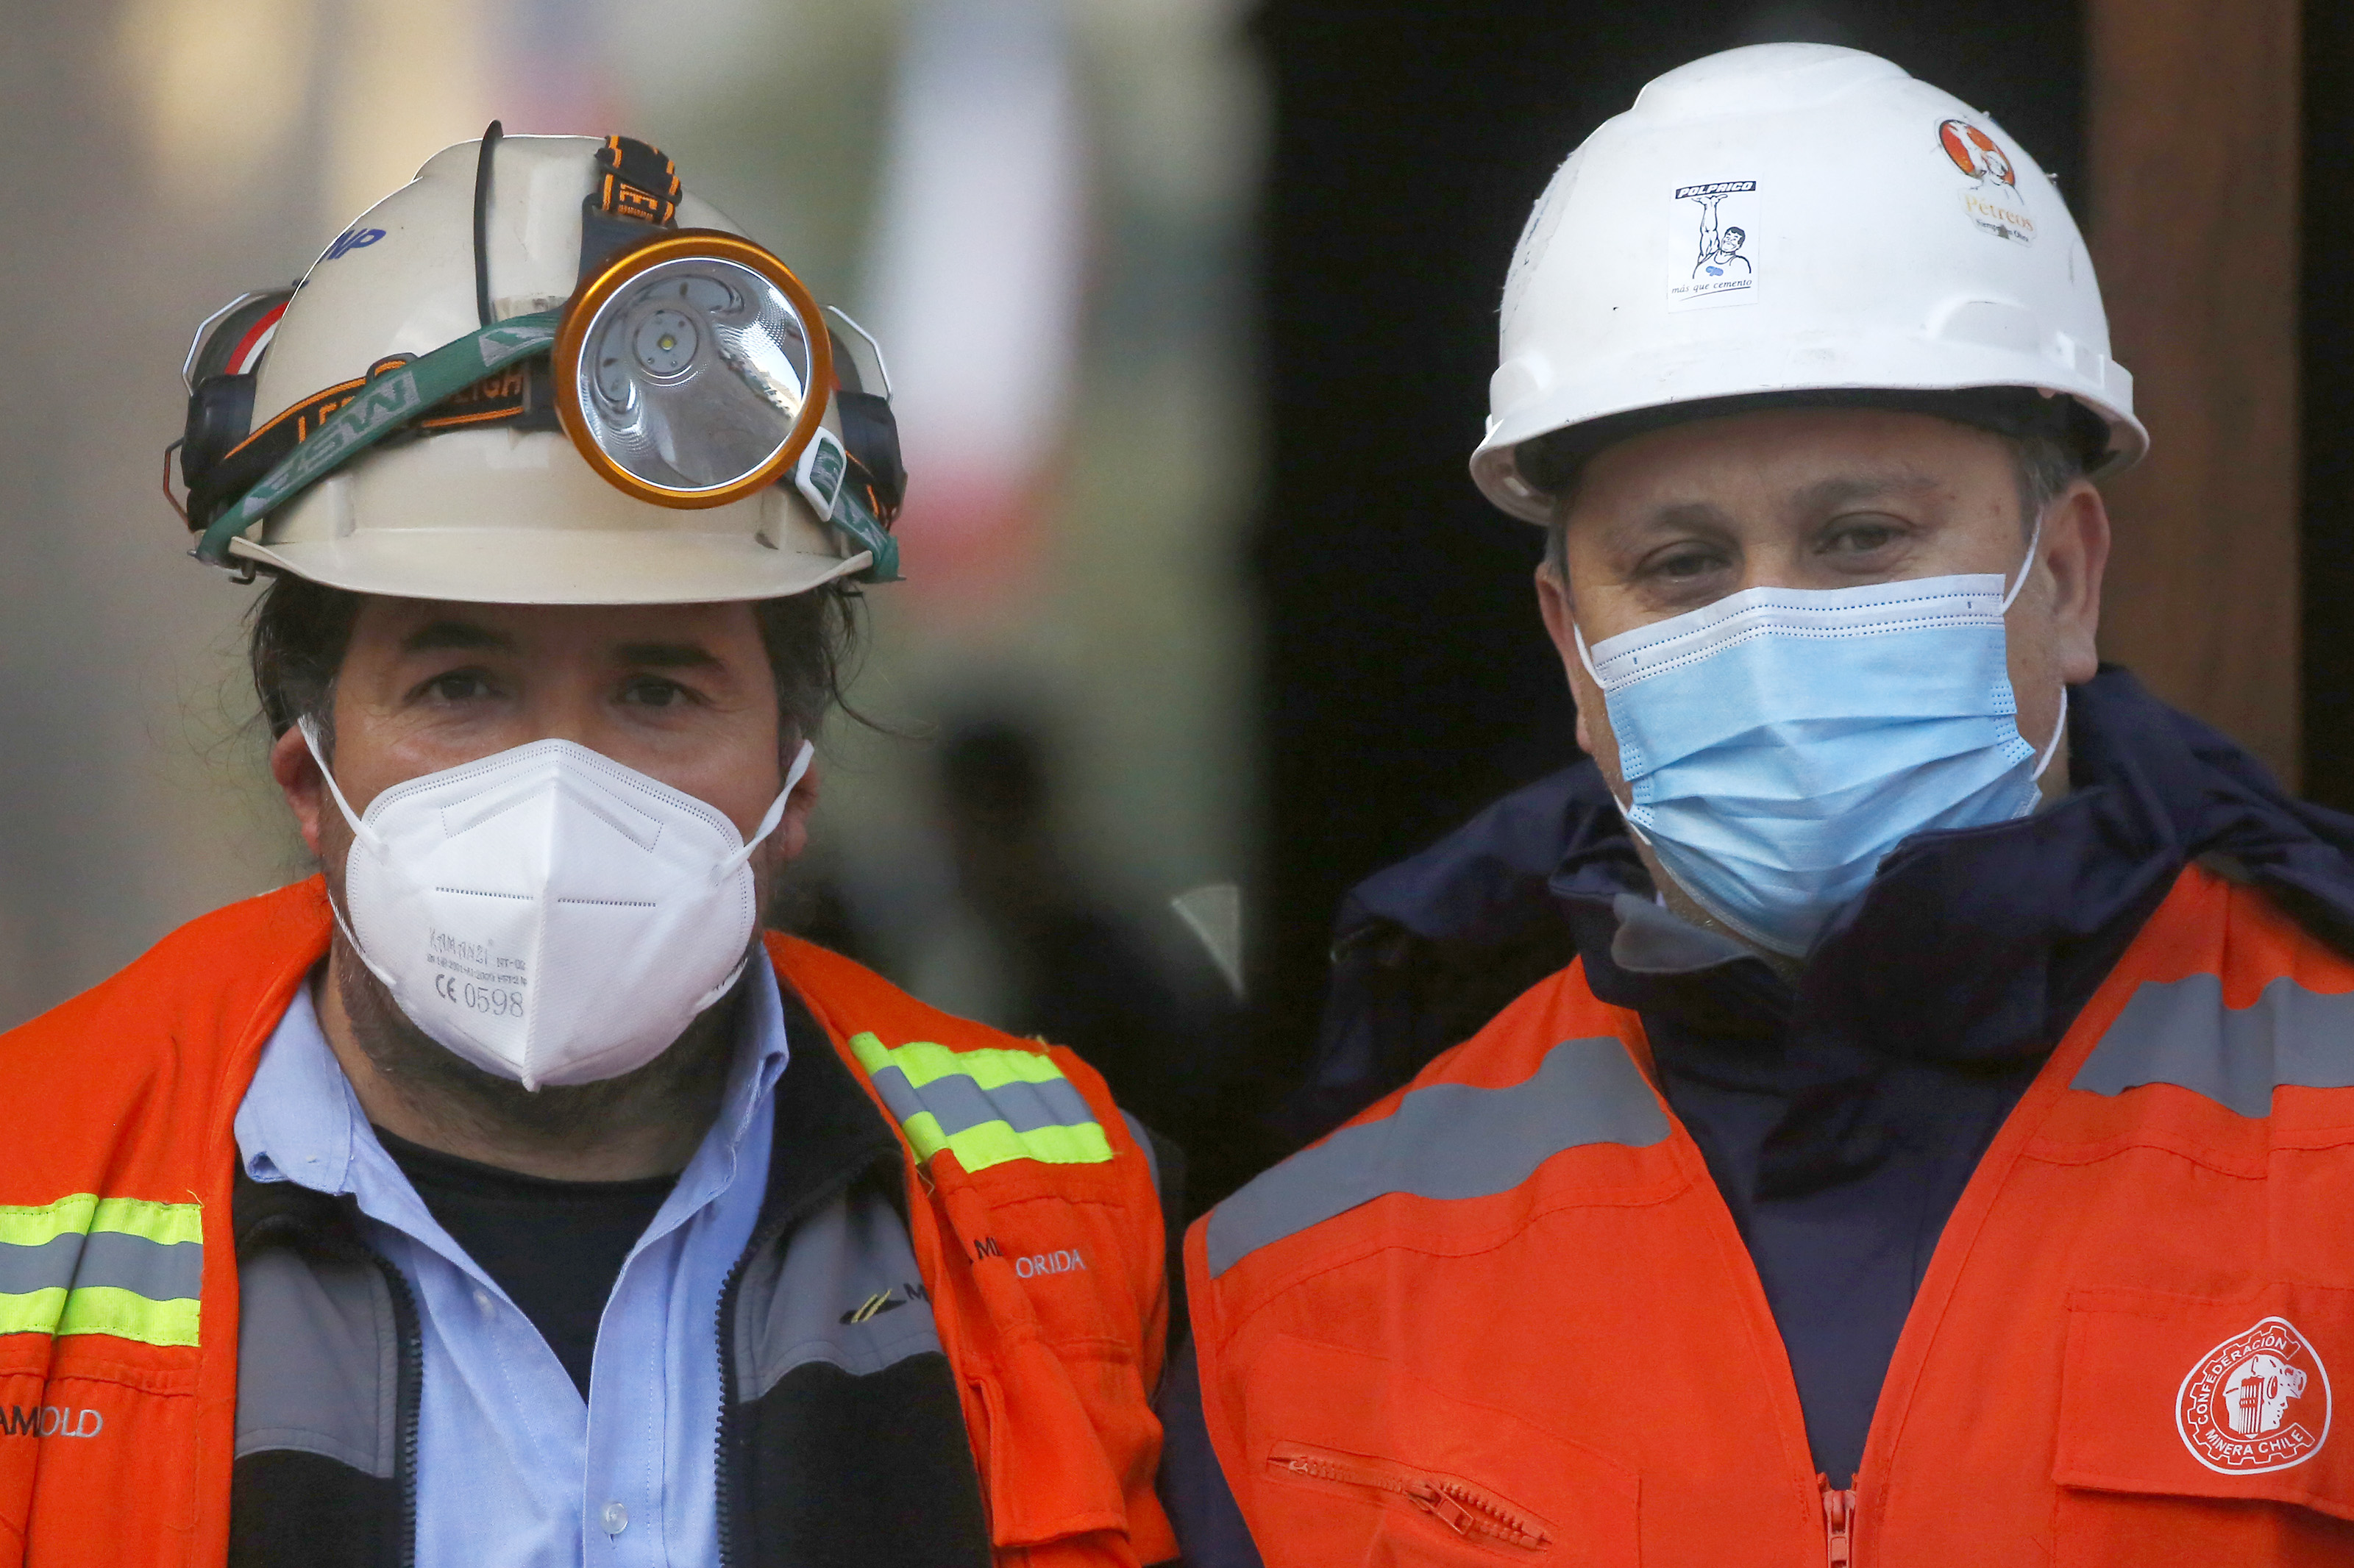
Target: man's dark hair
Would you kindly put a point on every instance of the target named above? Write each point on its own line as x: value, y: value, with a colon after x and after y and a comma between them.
x: 299, y: 629
x: 2052, y: 440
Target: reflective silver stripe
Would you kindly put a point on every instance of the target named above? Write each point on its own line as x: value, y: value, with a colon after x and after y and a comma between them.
x: 1448, y: 1141
x: 2179, y: 1032
x: 958, y: 1103
x: 1144, y: 1146
x: 73, y: 1261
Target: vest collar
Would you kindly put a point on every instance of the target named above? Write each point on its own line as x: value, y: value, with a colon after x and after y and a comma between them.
x: 1977, y: 946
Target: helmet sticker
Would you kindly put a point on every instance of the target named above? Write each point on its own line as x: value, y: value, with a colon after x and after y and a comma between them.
x: 1712, y: 244
x: 1992, y: 198
x: 352, y: 239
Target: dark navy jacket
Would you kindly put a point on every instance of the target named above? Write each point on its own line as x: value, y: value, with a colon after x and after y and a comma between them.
x: 1842, y: 1114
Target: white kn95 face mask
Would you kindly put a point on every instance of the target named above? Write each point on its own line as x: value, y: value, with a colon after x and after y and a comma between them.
x: 546, y: 913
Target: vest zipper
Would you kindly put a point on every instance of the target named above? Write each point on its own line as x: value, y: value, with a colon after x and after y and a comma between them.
x: 723, y: 1472
x: 410, y: 1394
x: 1455, y: 1503
x: 412, y: 1400
x: 767, y: 1231
x: 1839, y: 1523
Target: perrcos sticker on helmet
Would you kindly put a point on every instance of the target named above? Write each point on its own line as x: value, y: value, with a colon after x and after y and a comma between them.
x: 1712, y: 244
x: 1991, y: 199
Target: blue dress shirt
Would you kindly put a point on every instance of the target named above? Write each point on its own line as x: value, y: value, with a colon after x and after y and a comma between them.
x: 513, y: 1466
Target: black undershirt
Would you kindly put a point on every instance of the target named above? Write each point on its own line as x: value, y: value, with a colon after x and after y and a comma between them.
x: 555, y: 1247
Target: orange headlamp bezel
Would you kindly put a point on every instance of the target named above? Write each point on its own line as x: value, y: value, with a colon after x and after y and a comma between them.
x: 670, y: 245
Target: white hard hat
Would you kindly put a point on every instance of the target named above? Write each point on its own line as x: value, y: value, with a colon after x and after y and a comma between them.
x: 501, y: 512
x: 1792, y: 218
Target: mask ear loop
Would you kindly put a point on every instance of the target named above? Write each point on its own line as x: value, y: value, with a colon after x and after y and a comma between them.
x: 1585, y: 657
x: 2034, y: 542
x: 361, y: 831
x: 734, y: 862
x: 775, y: 814
x: 2052, y: 746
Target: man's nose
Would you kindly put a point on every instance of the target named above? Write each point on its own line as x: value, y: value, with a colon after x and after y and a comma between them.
x: 566, y: 710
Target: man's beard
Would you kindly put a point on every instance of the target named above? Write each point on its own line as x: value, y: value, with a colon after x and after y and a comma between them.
x: 444, y: 1088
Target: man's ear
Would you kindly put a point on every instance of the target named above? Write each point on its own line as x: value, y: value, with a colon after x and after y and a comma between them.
x: 2075, y: 555
x: 305, y: 788
x: 1553, y: 606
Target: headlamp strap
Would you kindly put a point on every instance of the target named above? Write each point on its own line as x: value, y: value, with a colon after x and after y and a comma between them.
x: 523, y: 394
x: 380, y: 406
x: 636, y: 188
x: 850, y: 516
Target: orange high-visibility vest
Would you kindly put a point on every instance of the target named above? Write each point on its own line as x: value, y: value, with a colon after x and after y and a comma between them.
x: 118, y: 1382
x: 1505, y: 1317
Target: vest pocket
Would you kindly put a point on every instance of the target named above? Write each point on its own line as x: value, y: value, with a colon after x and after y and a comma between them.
x: 1354, y: 1460
x: 2204, y: 1427
x: 1049, y: 1472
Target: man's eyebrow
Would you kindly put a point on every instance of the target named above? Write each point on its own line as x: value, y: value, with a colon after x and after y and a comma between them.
x: 436, y: 636
x: 1679, y: 514
x: 1840, y: 489
x: 667, y: 655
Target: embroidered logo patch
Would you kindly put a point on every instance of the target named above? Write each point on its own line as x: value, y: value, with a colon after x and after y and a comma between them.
x: 2258, y: 1401
x: 884, y: 1302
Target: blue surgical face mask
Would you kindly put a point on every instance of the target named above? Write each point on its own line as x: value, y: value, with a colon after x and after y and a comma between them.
x: 1777, y: 743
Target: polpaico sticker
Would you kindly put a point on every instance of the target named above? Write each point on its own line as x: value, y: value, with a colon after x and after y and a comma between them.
x: 1991, y: 199
x: 1712, y: 244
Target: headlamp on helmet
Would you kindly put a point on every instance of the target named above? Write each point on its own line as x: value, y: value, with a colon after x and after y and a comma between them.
x: 690, y: 368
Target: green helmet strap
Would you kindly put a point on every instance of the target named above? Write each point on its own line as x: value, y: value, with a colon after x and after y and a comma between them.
x: 376, y: 410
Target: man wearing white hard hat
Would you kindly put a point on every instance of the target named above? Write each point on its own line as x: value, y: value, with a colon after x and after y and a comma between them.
x: 1943, y: 1126
x: 504, y: 1195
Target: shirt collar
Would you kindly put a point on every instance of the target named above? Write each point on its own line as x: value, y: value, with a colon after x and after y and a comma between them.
x: 301, y: 1122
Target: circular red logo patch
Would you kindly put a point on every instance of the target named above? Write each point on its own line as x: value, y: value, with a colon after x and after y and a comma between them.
x: 2258, y: 1401
x: 1976, y: 154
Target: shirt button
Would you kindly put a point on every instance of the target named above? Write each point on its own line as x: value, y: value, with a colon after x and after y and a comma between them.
x: 617, y: 1518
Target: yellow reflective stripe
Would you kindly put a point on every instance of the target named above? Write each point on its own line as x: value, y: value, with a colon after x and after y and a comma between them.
x: 34, y: 1312
x: 985, y: 1143
x: 994, y: 1144
x: 109, y: 1310
x: 923, y: 1061
x: 100, y: 1309
x: 31, y: 1225
x: 167, y: 1224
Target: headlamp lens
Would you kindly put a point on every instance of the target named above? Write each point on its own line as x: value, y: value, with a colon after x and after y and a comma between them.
x: 693, y: 372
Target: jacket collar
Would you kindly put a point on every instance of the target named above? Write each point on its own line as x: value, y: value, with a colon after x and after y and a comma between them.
x: 829, y: 1132
x: 1979, y: 945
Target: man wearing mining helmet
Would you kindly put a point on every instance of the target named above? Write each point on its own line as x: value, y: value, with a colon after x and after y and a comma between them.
x: 502, y: 1195
x: 1939, y: 1147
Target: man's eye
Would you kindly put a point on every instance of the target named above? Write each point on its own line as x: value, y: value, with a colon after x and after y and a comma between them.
x: 1684, y: 563
x: 459, y: 686
x: 1862, y: 539
x: 653, y: 692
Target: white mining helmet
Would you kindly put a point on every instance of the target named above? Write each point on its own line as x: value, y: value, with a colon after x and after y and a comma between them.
x: 1792, y: 218
x: 542, y: 373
